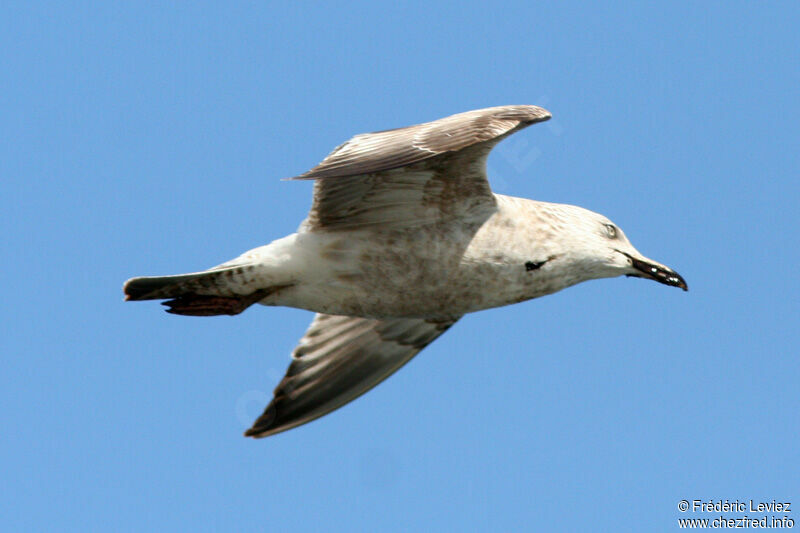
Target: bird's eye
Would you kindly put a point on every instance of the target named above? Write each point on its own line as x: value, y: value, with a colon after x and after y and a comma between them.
x: 611, y: 231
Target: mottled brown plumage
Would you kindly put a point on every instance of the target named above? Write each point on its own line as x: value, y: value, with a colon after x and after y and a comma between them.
x: 403, y: 238
x: 415, y: 175
x: 339, y: 359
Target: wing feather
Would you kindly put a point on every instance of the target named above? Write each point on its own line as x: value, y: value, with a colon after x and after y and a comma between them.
x: 339, y: 359
x: 368, y: 153
x: 414, y: 175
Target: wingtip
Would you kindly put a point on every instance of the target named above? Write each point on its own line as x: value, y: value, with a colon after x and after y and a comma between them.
x: 257, y: 432
x: 541, y: 113
x: 261, y: 427
x: 302, y: 177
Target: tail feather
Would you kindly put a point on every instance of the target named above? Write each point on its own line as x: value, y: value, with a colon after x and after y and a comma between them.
x: 233, y: 281
x: 219, y: 291
x: 158, y: 287
x: 161, y: 287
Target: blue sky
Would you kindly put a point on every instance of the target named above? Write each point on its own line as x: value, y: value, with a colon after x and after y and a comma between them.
x: 150, y: 138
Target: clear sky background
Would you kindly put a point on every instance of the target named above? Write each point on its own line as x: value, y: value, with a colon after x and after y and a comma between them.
x: 147, y: 138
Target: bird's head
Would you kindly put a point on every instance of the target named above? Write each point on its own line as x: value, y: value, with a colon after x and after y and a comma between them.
x: 595, y: 247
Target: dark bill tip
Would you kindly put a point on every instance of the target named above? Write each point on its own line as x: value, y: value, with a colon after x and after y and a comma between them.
x: 657, y: 273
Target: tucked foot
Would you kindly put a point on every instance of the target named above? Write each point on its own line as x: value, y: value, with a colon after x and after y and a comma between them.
x: 199, y: 305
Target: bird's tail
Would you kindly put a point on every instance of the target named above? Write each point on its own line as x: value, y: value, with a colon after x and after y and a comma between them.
x: 213, y: 292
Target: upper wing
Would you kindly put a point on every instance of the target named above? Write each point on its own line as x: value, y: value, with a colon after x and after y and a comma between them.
x: 416, y: 174
x: 339, y: 359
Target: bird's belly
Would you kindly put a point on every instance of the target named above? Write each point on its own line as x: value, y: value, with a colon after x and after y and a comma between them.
x: 412, y: 287
x: 423, y: 301
x: 414, y: 274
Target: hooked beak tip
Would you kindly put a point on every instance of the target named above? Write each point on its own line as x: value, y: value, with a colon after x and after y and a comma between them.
x: 656, y: 272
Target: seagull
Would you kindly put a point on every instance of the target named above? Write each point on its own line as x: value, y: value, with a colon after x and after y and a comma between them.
x: 403, y: 238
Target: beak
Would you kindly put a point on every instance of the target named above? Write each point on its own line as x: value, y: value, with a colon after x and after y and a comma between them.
x: 656, y: 272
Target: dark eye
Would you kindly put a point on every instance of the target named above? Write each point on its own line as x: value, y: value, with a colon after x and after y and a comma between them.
x: 611, y: 231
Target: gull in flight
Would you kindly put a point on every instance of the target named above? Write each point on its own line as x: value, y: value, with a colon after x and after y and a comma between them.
x: 403, y: 238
